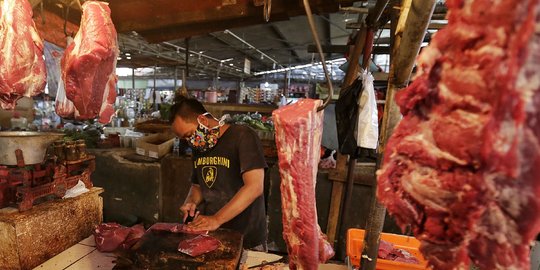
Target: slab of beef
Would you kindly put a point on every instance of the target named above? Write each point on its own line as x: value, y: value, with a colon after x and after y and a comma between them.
x: 199, y: 245
x: 463, y: 165
x: 135, y: 234
x: 89, y: 64
x: 110, y: 236
x: 298, y: 140
x: 22, y: 68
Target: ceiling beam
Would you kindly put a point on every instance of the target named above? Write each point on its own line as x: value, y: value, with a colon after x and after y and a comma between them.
x: 157, y: 51
x: 342, y: 49
x: 238, y: 46
x: 432, y: 26
x: 51, y: 27
x: 285, y: 42
x: 128, y: 14
x: 177, y: 32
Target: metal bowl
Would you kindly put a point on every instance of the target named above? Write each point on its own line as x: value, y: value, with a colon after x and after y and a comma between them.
x: 33, y: 145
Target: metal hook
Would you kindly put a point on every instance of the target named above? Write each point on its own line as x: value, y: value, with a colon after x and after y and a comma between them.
x: 66, y: 15
x: 321, y: 55
x: 267, y: 9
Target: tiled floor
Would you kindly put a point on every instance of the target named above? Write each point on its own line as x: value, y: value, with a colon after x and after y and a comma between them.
x: 82, y: 256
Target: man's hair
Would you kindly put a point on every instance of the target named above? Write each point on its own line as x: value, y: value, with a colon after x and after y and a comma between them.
x: 186, y: 108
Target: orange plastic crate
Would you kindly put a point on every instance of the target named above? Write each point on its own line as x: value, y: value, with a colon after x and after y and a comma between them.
x: 355, y: 243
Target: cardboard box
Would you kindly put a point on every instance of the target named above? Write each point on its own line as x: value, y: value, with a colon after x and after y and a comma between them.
x: 155, y: 146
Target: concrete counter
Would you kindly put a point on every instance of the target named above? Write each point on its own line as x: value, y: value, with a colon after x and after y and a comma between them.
x: 139, y: 189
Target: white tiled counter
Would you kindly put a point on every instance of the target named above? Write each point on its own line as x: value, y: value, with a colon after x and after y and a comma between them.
x: 85, y: 256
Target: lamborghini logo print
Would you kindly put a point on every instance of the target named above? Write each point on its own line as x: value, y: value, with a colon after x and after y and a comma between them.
x: 209, y: 174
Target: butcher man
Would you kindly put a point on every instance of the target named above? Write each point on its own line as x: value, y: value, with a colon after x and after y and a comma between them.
x: 228, y: 174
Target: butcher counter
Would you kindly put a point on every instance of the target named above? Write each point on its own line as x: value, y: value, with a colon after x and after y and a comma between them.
x: 145, y: 190
x: 85, y: 256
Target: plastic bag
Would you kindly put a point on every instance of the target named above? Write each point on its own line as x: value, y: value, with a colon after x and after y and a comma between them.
x: 64, y: 106
x: 367, y: 133
x: 346, y: 118
x: 75, y: 191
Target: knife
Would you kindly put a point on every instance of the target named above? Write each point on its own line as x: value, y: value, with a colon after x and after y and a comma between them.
x: 191, y: 218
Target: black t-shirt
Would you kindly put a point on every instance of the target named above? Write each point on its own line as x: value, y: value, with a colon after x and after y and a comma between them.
x: 218, y: 172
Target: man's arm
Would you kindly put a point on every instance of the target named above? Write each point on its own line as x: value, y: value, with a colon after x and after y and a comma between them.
x: 193, y: 199
x: 252, y: 189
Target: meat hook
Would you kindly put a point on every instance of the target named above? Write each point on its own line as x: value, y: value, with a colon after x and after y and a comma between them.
x: 267, y: 9
x: 321, y: 55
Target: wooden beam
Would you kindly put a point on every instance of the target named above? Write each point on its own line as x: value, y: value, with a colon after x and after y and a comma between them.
x: 376, y: 12
x: 340, y: 173
x: 134, y: 15
x: 50, y: 27
x: 354, y: 10
x: 345, y: 48
x: 333, y: 215
x: 177, y: 32
x: 411, y: 28
x: 143, y: 15
x: 431, y: 26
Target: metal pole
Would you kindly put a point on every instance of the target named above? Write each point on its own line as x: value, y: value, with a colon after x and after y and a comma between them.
x: 154, y: 94
x: 175, y: 78
x: 133, y: 78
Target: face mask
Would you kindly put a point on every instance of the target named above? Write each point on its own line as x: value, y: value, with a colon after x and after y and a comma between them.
x: 205, y: 138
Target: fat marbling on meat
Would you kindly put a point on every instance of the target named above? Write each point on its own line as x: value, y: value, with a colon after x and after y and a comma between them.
x: 89, y: 64
x: 22, y: 68
x: 298, y: 140
x: 463, y: 165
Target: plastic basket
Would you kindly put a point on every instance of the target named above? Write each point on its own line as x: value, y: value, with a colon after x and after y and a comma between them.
x: 355, y: 243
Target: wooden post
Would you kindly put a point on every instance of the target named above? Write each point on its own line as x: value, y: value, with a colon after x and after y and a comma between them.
x: 412, y: 26
x: 340, y: 173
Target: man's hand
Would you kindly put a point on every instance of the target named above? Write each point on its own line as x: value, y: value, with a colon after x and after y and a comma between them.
x: 204, y: 223
x: 188, y: 209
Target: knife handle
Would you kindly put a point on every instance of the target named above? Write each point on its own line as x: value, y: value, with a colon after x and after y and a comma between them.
x: 191, y: 218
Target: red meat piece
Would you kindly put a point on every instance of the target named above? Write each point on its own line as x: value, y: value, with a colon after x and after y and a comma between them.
x: 199, y: 245
x: 89, y: 64
x: 22, y: 68
x: 462, y: 166
x: 298, y: 140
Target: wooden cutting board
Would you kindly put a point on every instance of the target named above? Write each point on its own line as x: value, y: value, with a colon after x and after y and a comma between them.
x: 159, y: 250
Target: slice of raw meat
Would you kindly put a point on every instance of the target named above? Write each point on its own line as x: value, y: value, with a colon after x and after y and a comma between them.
x: 182, y: 228
x: 22, y: 68
x: 110, y: 236
x: 135, y: 234
x: 174, y: 227
x: 89, y: 64
x: 163, y: 227
x: 385, y: 248
x: 199, y: 245
x: 462, y: 167
x: 298, y: 140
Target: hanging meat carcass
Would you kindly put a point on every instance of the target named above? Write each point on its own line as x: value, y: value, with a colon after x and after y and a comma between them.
x: 89, y: 64
x: 298, y: 140
x: 463, y: 165
x: 22, y: 68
